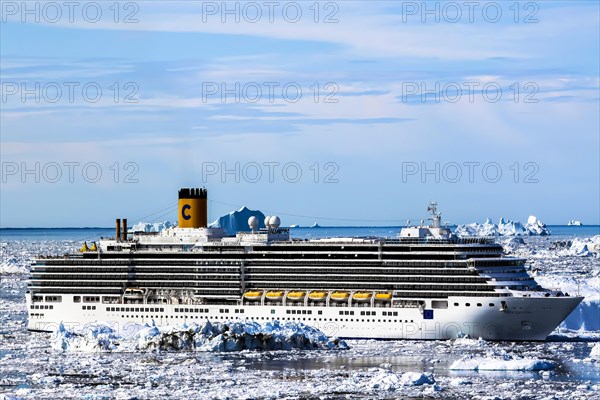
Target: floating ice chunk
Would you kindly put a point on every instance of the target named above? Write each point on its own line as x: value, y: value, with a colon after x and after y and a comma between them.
x: 416, y: 379
x: 8, y: 396
x: 234, y: 336
x: 468, y: 342
x: 150, y: 227
x: 386, y: 380
x: 237, y: 221
x: 595, y: 352
x: 493, y: 364
x: 13, y: 265
x: 460, y: 381
x: 97, y: 338
x: 504, y: 228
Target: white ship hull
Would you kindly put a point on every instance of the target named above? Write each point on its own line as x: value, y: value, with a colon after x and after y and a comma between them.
x: 520, y: 318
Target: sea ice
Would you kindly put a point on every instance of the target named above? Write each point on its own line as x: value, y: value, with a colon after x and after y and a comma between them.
x: 213, y: 337
x: 148, y: 227
x: 503, y: 364
x: 533, y: 227
x: 237, y: 221
x: 595, y: 352
x: 389, y: 381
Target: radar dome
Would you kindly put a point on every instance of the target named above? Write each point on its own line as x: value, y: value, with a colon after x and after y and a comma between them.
x: 267, y: 220
x: 274, y: 221
x: 253, y: 222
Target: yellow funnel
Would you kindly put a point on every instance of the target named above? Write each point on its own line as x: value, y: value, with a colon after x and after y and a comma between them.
x: 192, y: 208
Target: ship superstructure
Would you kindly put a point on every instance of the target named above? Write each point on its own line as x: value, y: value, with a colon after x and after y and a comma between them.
x: 424, y: 284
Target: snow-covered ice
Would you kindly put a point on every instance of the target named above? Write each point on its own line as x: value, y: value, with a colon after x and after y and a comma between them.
x: 504, y: 228
x: 30, y: 368
x: 149, y: 227
x: 212, y: 337
x: 237, y: 221
x: 501, y: 364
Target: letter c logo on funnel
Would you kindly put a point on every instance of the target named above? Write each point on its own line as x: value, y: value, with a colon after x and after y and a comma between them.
x: 183, y: 210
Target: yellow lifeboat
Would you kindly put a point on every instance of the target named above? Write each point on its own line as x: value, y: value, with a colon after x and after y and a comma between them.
x: 253, y: 295
x: 296, y: 296
x: 361, y: 296
x: 84, y: 248
x: 340, y: 296
x: 383, y: 296
x: 274, y: 295
x: 94, y: 247
x: 317, y: 296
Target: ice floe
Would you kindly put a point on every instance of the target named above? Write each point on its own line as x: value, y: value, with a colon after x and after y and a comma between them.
x: 501, y: 364
x: 595, y: 352
x: 208, y: 337
x: 389, y: 381
x: 237, y: 221
x: 533, y: 227
x: 148, y: 227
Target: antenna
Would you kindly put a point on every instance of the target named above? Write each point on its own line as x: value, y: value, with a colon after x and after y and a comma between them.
x: 432, y: 208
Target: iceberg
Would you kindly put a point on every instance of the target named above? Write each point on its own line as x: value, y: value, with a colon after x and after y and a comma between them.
x: 148, y: 227
x: 237, y: 221
x: 533, y: 227
x: 205, y: 337
x: 580, y: 247
x: 595, y: 352
x: 389, y: 381
x: 494, y: 364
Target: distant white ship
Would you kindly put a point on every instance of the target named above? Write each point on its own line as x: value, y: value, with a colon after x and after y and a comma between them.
x: 574, y: 223
x: 425, y: 284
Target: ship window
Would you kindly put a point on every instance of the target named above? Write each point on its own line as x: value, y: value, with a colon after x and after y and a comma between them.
x: 455, y: 304
x: 287, y: 311
x: 491, y: 304
x: 478, y: 304
x: 272, y: 311
x: 395, y: 313
x: 320, y: 312
x: 31, y: 307
x: 468, y: 304
x: 439, y: 304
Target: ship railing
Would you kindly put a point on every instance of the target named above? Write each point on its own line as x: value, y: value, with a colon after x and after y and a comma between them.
x: 458, y: 240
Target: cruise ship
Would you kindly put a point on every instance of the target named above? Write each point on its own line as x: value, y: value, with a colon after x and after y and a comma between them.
x: 424, y: 284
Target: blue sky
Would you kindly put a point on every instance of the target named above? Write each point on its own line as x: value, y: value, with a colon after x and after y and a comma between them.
x: 509, y: 125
